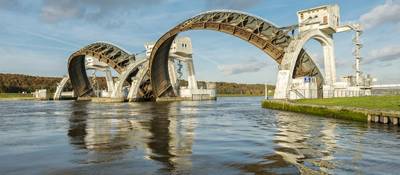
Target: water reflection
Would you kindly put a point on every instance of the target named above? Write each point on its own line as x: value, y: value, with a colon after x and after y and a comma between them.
x: 104, y: 139
x: 301, y: 146
x: 77, y: 124
x: 165, y: 135
x: 312, y: 145
x: 307, y: 144
x: 228, y: 136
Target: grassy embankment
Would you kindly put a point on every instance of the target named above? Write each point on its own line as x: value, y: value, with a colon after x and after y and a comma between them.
x: 371, y: 102
x: 15, y: 96
x: 352, y: 108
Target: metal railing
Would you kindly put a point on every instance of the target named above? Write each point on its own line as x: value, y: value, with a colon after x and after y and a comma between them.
x: 337, y: 93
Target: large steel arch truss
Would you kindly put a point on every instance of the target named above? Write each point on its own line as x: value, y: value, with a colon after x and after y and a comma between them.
x: 112, y: 55
x: 256, y: 31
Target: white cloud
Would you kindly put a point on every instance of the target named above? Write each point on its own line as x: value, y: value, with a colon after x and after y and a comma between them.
x: 7, y: 4
x: 387, y: 13
x: 388, y: 53
x: 232, y: 4
x: 104, y: 11
x: 250, y: 66
x: 53, y: 11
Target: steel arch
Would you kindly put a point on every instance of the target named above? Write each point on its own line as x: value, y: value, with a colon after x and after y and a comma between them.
x: 256, y: 31
x: 138, y: 71
x: 116, y: 58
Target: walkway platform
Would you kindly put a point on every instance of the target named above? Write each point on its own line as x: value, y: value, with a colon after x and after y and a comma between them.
x: 202, y: 98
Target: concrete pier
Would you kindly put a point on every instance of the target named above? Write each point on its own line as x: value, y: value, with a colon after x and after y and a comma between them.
x: 203, y: 98
x: 385, y: 117
x: 107, y: 100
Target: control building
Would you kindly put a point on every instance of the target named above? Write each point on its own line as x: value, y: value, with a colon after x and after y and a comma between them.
x: 320, y: 23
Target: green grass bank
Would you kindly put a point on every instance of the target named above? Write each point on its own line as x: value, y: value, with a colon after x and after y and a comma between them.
x: 370, y: 102
x: 15, y: 96
x: 352, y: 108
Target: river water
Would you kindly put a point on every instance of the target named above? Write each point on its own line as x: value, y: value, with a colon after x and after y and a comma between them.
x: 227, y: 136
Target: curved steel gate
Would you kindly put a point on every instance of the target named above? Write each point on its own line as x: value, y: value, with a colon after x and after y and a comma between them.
x: 116, y: 58
x: 256, y: 31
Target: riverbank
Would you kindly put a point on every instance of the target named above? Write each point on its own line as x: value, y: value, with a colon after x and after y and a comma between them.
x: 384, y: 109
x: 270, y: 94
x: 15, y: 96
x: 239, y: 95
x: 369, y: 102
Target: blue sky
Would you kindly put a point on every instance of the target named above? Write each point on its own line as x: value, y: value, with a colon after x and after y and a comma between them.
x: 37, y: 36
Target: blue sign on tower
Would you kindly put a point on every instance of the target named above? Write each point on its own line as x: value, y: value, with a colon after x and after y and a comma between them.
x: 307, y: 79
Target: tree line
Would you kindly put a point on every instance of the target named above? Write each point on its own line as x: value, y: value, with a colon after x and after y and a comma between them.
x: 18, y: 83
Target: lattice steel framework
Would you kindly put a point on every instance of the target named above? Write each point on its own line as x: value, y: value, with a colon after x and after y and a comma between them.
x: 256, y: 31
x: 115, y: 57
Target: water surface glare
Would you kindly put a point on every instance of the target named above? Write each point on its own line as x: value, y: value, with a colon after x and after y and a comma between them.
x: 228, y: 136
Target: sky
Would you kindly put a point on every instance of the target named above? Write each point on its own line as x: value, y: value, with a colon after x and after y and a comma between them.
x: 37, y: 36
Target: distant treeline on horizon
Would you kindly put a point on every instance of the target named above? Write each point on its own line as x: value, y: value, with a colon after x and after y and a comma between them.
x: 18, y: 83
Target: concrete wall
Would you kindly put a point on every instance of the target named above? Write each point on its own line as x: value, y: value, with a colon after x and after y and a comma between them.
x: 185, y: 92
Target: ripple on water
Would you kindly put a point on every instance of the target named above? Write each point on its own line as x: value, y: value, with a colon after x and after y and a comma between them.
x: 227, y: 136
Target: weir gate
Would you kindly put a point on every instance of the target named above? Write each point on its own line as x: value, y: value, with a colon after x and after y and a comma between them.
x: 157, y: 75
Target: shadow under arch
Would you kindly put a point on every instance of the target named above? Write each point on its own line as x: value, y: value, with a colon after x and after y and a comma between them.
x: 112, y: 55
x: 328, y: 50
x: 255, y: 30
